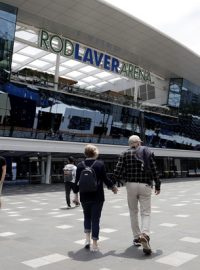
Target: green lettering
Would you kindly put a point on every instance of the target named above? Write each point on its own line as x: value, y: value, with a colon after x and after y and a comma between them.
x: 130, y: 71
x: 137, y: 73
x: 124, y: 70
x: 56, y: 44
x: 142, y: 74
x: 148, y: 76
x: 43, y: 40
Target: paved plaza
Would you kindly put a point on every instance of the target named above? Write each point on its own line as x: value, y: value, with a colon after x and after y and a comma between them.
x: 38, y: 232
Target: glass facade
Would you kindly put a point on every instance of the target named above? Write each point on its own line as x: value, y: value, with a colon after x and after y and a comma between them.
x: 184, y: 95
x: 46, y: 114
x: 175, y: 88
x: 190, y: 99
x: 8, y: 17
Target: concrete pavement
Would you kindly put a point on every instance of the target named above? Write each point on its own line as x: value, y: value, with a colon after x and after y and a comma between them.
x: 38, y: 232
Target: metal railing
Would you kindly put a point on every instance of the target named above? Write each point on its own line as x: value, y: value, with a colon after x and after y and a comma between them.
x: 124, y: 100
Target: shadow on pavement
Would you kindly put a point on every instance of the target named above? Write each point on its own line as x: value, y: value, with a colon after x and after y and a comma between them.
x: 87, y: 255
x: 67, y: 208
x: 137, y: 253
x: 131, y: 252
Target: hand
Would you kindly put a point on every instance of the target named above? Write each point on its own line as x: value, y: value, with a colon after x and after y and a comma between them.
x: 157, y: 192
x: 115, y: 190
x: 119, y: 183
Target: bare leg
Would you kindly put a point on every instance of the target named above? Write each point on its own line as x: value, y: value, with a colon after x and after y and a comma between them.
x: 95, y: 246
x: 87, y: 240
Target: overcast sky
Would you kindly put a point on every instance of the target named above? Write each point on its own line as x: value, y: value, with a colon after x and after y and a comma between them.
x: 179, y: 19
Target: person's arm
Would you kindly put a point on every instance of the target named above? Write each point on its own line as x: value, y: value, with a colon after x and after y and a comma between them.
x: 78, y: 173
x: 64, y: 169
x: 74, y: 174
x: 107, y: 181
x: 155, y: 175
x: 119, y: 167
x: 3, y: 173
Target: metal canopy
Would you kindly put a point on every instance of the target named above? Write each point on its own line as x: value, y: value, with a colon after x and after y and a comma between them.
x: 101, y: 26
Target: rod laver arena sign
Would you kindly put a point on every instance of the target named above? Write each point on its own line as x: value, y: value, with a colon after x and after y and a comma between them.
x: 87, y: 55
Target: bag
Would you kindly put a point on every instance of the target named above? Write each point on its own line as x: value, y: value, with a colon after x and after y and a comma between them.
x: 68, y: 177
x: 88, y: 180
x: 143, y: 155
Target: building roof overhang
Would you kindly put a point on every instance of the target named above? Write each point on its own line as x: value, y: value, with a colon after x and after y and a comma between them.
x: 103, y: 27
x: 12, y: 146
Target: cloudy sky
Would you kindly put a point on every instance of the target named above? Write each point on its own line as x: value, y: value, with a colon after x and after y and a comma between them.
x: 179, y: 19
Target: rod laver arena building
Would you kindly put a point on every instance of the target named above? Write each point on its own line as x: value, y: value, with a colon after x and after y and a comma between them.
x: 76, y: 72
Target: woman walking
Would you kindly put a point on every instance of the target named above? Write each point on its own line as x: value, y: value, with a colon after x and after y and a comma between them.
x: 92, y: 201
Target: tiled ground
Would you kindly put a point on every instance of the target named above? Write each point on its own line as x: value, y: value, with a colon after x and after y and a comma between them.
x: 38, y: 232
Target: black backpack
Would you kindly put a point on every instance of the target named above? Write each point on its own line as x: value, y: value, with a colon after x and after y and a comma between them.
x: 88, y: 180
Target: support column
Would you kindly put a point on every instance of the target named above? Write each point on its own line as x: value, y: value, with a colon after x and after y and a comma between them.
x: 43, y: 170
x: 136, y: 92
x: 56, y: 76
x: 132, y: 91
x: 48, y: 170
x: 142, y: 126
x: 177, y: 168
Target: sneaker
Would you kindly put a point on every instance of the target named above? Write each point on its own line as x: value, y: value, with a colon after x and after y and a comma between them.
x: 76, y: 203
x: 69, y: 207
x: 136, y: 242
x: 144, y: 240
x: 87, y: 244
x: 95, y: 248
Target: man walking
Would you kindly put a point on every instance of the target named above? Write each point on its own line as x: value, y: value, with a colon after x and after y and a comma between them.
x: 2, y: 174
x: 138, y: 168
x: 69, y: 180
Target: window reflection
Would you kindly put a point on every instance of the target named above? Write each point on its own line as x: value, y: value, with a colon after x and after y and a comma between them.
x: 7, y: 34
x: 175, y: 88
x: 7, y: 15
x: 44, y: 114
x: 80, y: 123
x: 185, y: 96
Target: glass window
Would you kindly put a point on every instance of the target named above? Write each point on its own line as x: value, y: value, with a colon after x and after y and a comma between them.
x: 190, y: 99
x: 175, y: 88
x: 8, y: 12
x: 7, y: 34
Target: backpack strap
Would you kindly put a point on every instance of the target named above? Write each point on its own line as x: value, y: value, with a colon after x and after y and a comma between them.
x: 138, y: 153
x: 93, y: 164
x: 83, y: 162
x: 147, y: 154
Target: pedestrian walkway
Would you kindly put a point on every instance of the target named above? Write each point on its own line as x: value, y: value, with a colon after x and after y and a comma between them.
x: 38, y: 232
